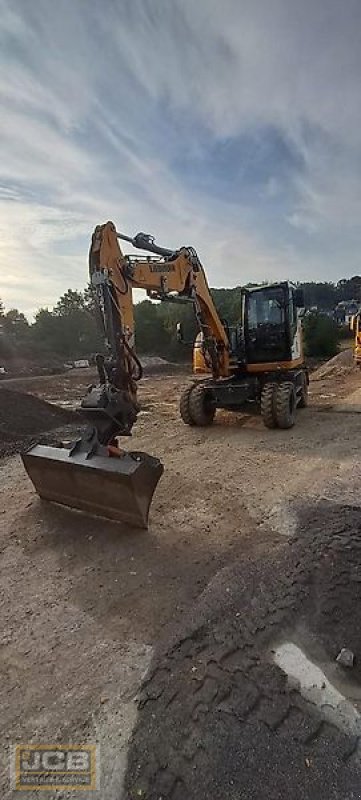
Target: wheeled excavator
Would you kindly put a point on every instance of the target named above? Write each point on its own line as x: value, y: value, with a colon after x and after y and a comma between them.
x: 257, y: 363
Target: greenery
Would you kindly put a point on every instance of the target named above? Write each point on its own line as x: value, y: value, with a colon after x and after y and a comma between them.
x: 70, y: 330
x: 321, y: 336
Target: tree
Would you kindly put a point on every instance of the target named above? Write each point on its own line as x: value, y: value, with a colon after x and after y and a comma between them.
x: 350, y: 288
x: 321, y: 336
x: 89, y: 297
x: 149, y: 330
x: 323, y: 296
x: 14, y: 329
x: 70, y: 330
x: 15, y: 323
x: 228, y: 303
x: 69, y: 303
x: 47, y: 332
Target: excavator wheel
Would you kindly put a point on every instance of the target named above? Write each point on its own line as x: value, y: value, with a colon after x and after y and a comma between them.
x: 201, y: 409
x: 184, y: 404
x: 195, y: 408
x: 285, y: 405
x: 268, y: 409
x: 303, y: 398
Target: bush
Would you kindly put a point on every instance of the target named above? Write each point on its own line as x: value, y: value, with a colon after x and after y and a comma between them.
x: 321, y: 336
x: 345, y: 332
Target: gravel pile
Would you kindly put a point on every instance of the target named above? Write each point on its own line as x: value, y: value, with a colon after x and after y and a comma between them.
x: 24, y: 416
x: 342, y: 364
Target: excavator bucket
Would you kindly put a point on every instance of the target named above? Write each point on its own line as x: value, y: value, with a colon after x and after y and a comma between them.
x: 119, y: 488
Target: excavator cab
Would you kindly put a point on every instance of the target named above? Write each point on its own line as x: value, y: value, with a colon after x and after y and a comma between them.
x: 268, y: 333
x: 271, y: 326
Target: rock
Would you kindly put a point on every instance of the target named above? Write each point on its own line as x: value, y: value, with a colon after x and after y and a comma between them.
x: 346, y: 658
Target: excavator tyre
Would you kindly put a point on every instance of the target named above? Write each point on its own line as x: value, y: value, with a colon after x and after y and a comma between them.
x: 119, y: 488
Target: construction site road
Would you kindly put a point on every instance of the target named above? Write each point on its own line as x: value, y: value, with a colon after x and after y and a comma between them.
x: 192, y: 653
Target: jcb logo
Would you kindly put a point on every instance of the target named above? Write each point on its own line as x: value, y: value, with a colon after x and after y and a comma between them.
x: 55, y: 767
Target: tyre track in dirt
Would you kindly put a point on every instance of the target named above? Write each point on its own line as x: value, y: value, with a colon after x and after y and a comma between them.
x: 225, y: 505
x: 217, y: 717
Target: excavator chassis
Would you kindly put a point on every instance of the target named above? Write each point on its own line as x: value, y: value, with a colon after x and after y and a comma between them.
x: 276, y: 394
x: 119, y: 488
x: 234, y: 393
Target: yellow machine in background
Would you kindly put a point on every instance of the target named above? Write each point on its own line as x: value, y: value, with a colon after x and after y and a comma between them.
x: 355, y: 325
x: 199, y: 362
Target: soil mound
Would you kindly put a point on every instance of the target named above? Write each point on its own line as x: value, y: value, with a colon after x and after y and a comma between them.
x: 219, y: 718
x: 23, y: 416
x: 341, y: 364
x: 155, y: 365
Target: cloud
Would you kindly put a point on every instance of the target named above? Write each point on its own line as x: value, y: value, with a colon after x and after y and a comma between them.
x: 235, y: 127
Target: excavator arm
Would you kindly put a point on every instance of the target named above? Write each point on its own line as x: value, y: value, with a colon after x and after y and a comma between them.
x: 165, y: 275
x: 95, y: 474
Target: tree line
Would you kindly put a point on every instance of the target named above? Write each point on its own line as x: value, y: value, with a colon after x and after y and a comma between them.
x: 70, y: 329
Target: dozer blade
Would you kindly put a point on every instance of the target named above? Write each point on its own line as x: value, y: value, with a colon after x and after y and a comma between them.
x: 119, y: 488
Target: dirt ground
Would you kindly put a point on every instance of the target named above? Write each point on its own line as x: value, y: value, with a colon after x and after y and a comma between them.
x: 87, y: 605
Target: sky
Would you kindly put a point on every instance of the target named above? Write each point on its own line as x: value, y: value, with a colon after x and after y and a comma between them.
x: 233, y: 126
